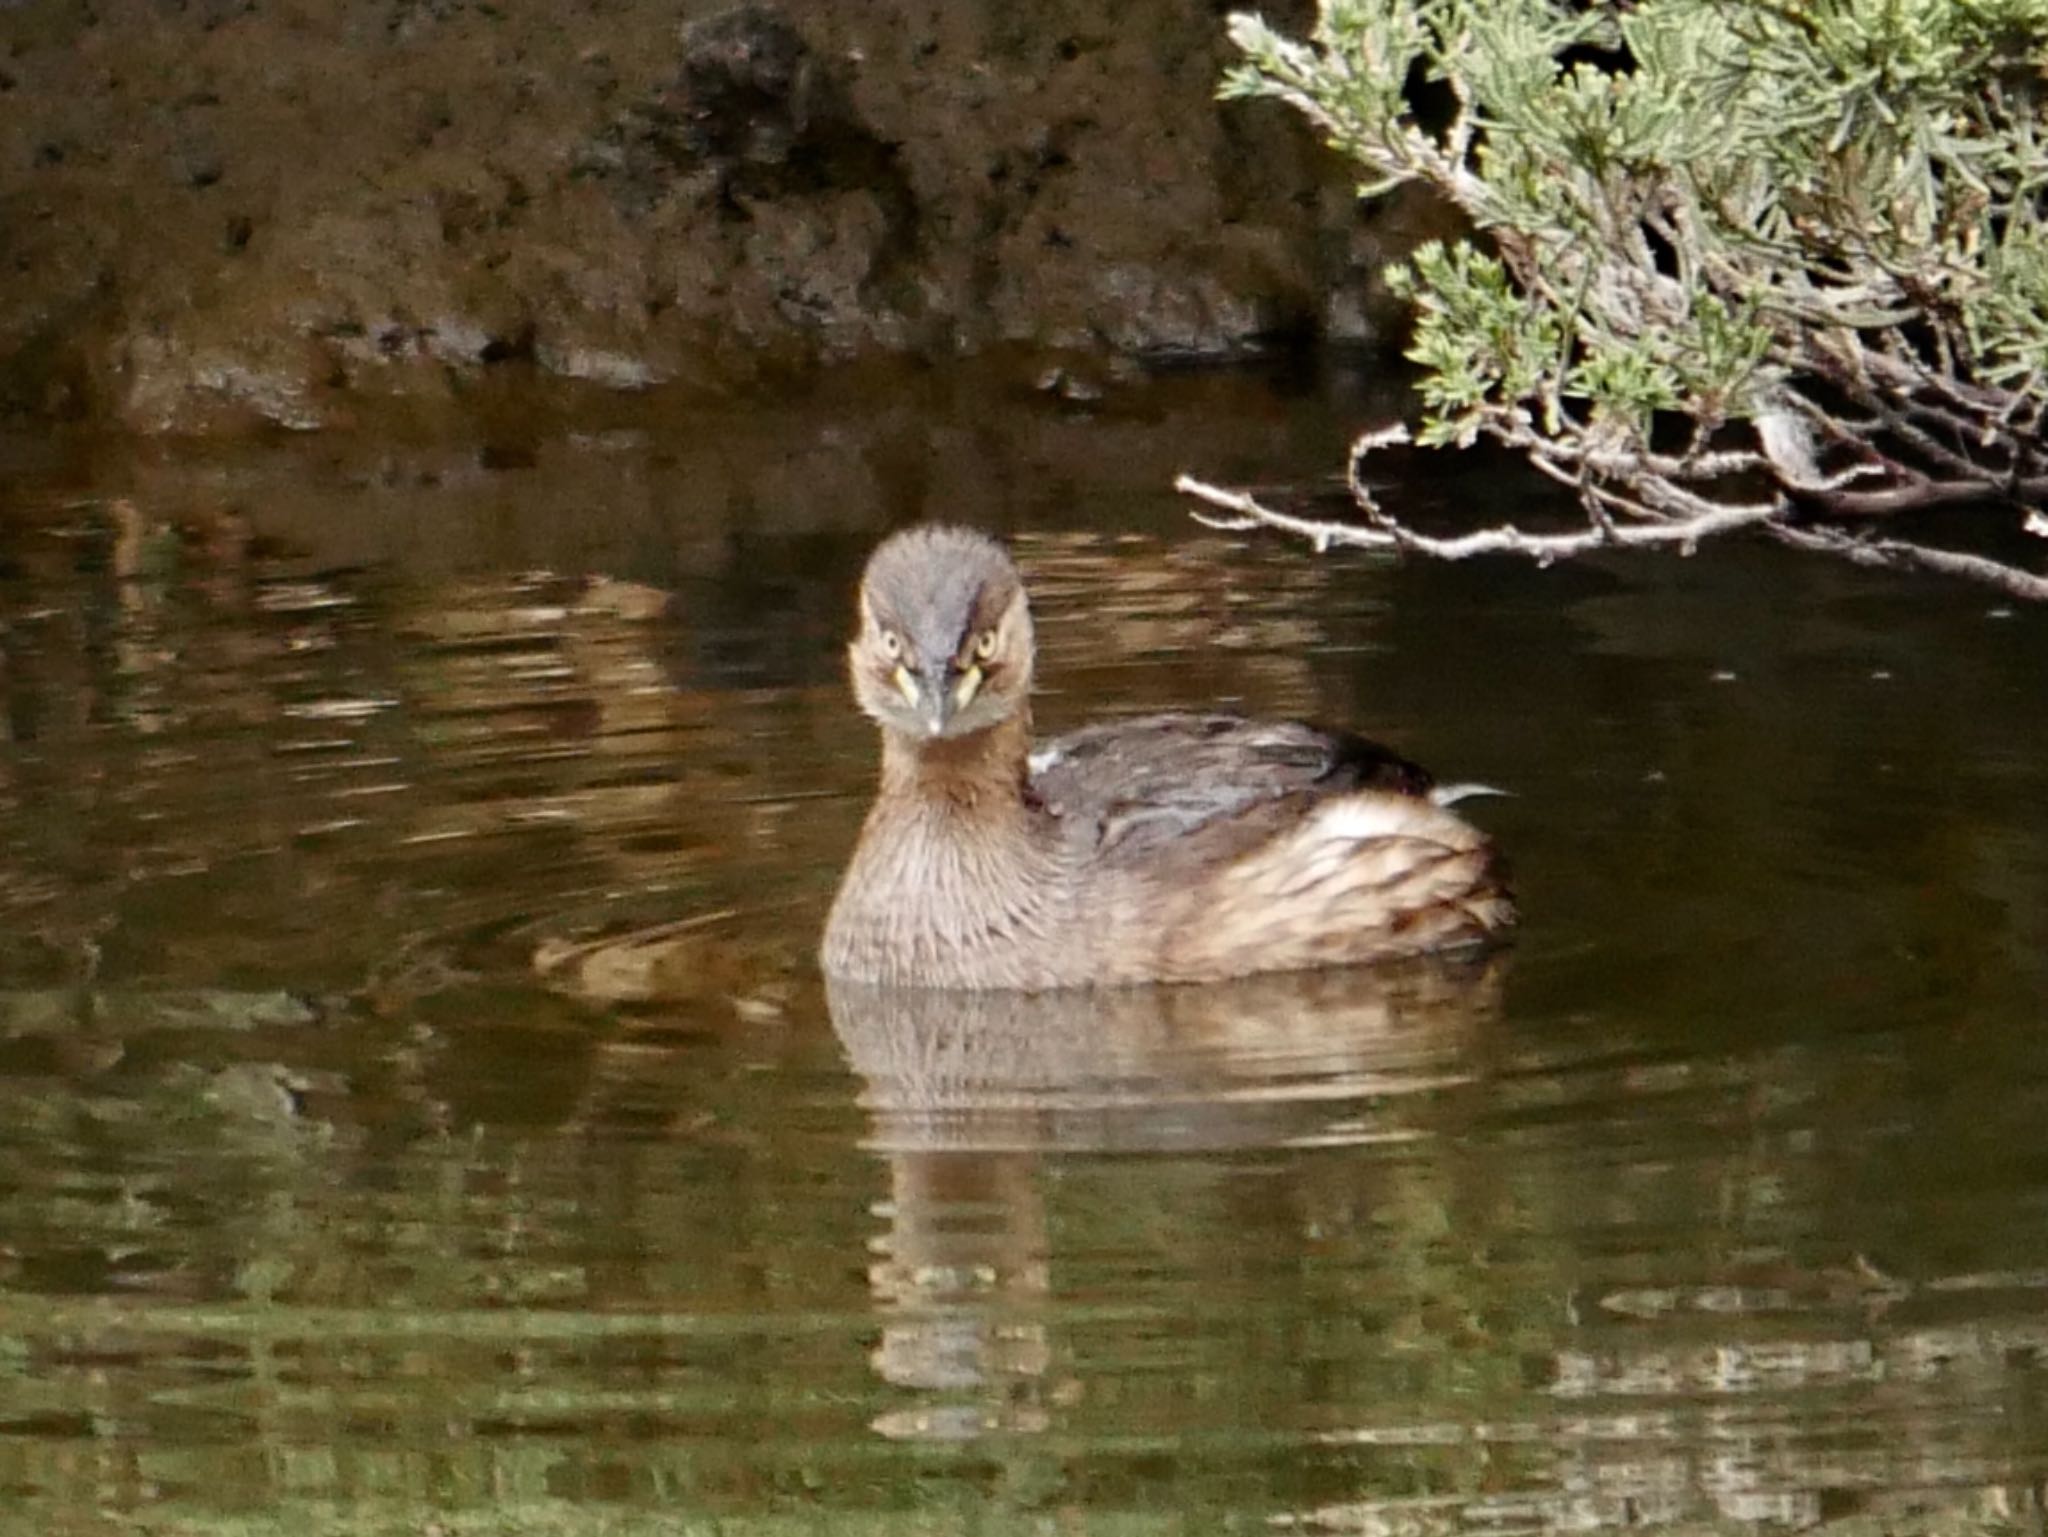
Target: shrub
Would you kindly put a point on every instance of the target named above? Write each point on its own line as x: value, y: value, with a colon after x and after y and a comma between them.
x: 1736, y: 263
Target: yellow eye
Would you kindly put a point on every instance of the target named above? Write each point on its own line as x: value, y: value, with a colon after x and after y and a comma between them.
x: 892, y: 644
x: 985, y: 645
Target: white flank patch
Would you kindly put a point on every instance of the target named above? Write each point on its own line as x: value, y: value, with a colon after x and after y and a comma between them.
x: 1377, y: 816
x: 1043, y: 759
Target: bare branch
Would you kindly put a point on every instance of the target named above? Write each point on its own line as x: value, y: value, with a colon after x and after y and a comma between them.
x: 1505, y: 539
x: 1914, y: 496
x: 1248, y: 513
x: 1905, y: 554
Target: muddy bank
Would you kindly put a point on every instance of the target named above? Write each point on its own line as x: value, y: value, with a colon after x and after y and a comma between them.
x: 223, y: 213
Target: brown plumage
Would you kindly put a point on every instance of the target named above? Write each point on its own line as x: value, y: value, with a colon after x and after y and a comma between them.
x: 1170, y: 848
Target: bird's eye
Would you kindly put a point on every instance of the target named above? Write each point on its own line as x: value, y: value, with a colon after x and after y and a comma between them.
x: 892, y: 644
x: 985, y: 645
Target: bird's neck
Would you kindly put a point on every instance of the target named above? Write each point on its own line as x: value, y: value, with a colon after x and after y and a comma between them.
x: 980, y: 775
x: 956, y: 869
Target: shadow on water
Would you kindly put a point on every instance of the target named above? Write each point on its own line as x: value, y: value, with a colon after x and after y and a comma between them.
x: 418, y: 1107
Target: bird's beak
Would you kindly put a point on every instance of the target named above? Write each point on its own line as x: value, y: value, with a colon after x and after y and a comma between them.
x: 938, y: 695
x: 966, y: 686
x: 928, y: 694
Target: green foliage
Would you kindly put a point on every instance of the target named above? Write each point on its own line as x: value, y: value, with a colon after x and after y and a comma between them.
x: 1740, y: 210
x: 1484, y: 346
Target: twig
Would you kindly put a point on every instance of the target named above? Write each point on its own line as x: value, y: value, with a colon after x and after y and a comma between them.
x: 1503, y: 539
x: 1247, y: 513
x: 1916, y: 495
x: 1905, y: 554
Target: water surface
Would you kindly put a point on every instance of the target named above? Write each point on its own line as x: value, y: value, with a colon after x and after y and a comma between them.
x: 357, y: 1176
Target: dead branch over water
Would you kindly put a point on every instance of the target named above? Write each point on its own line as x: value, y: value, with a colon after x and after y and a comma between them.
x: 1665, y: 516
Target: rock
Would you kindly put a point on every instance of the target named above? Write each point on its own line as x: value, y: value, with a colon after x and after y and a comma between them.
x: 748, y: 98
x: 379, y: 198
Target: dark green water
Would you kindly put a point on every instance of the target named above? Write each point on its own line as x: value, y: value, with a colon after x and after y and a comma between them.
x: 1721, y: 1200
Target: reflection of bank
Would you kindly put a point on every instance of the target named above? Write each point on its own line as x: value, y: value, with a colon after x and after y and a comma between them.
x: 969, y: 1093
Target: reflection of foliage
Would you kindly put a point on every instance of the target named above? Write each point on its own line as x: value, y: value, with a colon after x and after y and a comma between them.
x: 1811, y: 233
x: 542, y: 1517
x: 361, y: 1308
x: 965, y: 1512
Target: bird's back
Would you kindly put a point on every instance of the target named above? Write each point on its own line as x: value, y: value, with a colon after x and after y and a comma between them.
x: 1208, y: 846
x: 1150, y: 781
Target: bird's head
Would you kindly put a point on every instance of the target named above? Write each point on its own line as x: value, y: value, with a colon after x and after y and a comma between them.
x: 945, y: 641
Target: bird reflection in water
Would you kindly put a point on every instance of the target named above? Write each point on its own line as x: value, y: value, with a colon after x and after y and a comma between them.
x: 970, y: 1094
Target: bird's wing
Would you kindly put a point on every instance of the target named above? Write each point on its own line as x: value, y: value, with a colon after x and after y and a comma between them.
x: 1137, y: 785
